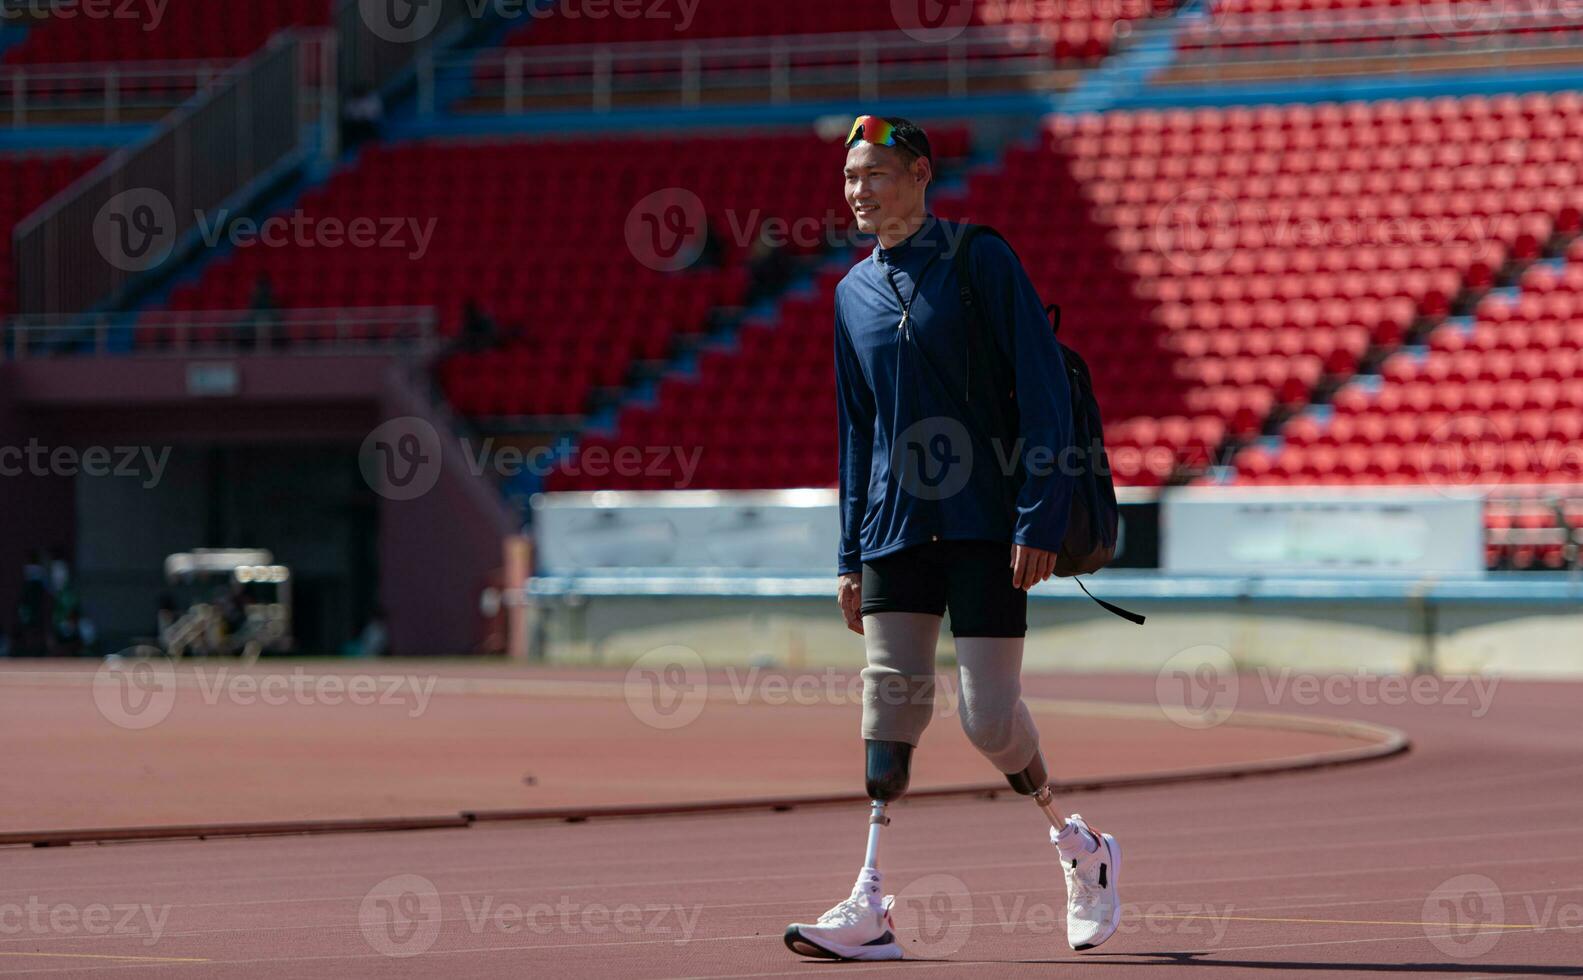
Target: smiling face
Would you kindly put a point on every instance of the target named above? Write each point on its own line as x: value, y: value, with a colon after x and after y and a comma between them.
x: 886, y: 194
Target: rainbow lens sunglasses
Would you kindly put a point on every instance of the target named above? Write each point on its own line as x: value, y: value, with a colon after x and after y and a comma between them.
x: 873, y: 129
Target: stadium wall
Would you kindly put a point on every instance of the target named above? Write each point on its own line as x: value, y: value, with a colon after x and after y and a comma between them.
x: 36, y: 511
x: 1515, y: 629
x: 435, y: 553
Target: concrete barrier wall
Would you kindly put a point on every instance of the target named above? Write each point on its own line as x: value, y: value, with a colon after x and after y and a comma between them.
x: 799, y: 632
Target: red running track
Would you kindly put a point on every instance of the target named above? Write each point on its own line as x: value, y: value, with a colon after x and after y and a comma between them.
x: 1463, y: 858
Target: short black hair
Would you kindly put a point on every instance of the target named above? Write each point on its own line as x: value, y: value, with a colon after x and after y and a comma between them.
x: 911, y: 141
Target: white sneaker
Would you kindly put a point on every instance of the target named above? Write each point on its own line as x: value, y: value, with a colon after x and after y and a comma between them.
x: 859, y: 928
x: 1093, y: 910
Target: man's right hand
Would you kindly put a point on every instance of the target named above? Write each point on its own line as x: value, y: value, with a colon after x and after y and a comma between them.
x: 849, y: 592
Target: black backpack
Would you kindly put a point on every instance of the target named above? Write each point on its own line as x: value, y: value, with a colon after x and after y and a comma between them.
x: 1091, y: 530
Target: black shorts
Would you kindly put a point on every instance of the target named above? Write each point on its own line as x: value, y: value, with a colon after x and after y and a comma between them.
x: 971, y: 578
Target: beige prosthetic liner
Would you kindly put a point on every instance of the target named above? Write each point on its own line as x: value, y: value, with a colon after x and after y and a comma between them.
x: 899, y: 688
x: 898, y: 683
x: 993, y: 715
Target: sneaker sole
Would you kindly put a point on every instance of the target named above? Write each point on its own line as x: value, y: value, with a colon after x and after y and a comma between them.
x: 803, y: 946
x: 1114, y: 875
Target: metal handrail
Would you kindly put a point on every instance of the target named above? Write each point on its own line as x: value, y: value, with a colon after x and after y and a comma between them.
x: 108, y: 90
x: 780, y: 64
x: 337, y: 330
x: 1508, y: 16
x: 1376, y: 26
x: 1334, y: 60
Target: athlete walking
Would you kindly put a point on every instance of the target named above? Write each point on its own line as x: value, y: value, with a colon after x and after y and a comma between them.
x: 937, y: 515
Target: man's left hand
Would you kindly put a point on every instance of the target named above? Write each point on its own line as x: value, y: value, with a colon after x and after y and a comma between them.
x: 1030, y: 566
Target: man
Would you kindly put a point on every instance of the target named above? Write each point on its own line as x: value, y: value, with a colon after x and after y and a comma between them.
x: 937, y: 513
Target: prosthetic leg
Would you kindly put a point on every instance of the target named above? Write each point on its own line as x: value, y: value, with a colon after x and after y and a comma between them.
x: 898, y: 698
x: 1035, y: 782
x: 860, y: 928
x: 889, y: 767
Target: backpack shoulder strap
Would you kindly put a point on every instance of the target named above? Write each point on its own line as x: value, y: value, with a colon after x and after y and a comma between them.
x: 964, y: 268
x: 981, y: 348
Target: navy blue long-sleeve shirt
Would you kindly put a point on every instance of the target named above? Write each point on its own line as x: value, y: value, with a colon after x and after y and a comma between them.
x: 915, y: 466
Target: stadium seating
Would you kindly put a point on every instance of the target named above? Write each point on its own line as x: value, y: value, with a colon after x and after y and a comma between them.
x: 1076, y: 31
x: 1235, y: 29
x: 1499, y: 402
x: 1532, y: 531
x: 186, y: 30
x: 536, y: 234
x: 1200, y: 316
x: 26, y: 182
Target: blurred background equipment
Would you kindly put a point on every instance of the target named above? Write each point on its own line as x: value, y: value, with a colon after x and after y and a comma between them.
x: 226, y: 603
